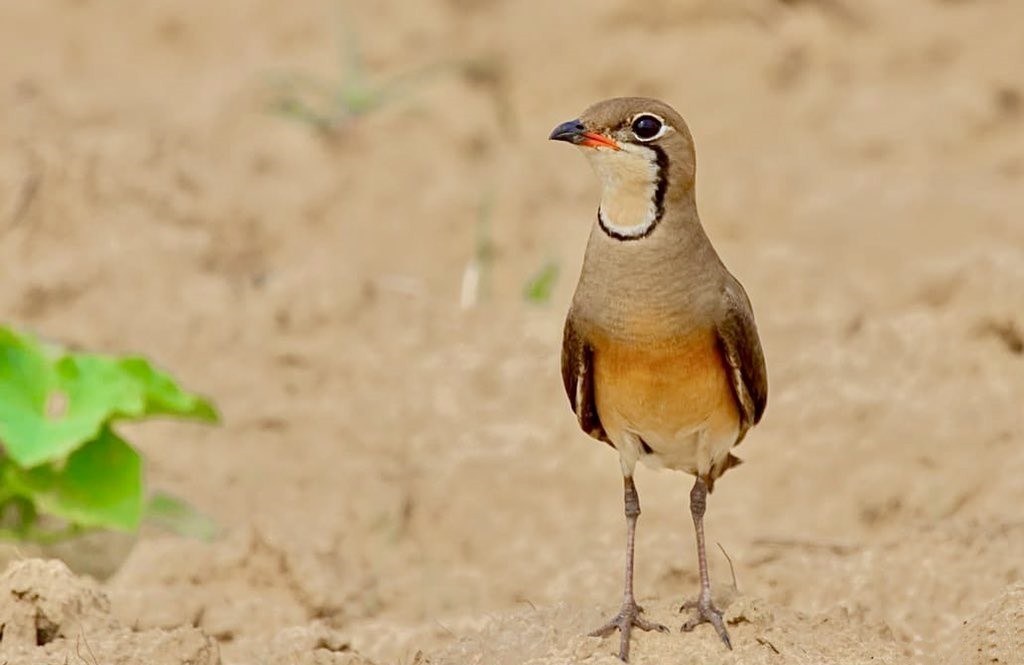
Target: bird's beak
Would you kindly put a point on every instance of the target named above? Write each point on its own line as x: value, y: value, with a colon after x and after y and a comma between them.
x: 574, y: 132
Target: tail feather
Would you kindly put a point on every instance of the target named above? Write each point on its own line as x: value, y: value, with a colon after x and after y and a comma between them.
x: 729, y: 462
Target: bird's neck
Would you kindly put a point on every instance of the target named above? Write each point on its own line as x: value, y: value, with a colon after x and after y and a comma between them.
x: 633, y: 187
x: 663, y: 276
x: 629, y: 210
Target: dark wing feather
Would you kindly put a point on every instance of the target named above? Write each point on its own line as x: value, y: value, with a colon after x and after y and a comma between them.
x: 578, y: 379
x: 741, y: 350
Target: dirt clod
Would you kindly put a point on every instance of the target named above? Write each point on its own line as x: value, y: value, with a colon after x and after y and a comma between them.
x: 47, y: 613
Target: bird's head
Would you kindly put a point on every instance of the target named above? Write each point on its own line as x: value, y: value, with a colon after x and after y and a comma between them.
x: 643, y: 153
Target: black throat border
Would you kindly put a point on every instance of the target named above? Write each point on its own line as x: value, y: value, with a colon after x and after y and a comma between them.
x: 661, y: 160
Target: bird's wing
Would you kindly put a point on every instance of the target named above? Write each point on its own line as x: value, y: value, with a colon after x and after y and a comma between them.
x: 741, y: 349
x: 578, y: 379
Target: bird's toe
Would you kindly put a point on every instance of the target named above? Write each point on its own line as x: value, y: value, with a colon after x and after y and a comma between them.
x: 704, y: 611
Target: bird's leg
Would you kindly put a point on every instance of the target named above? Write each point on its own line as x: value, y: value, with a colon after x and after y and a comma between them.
x: 629, y: 615
x: 704, y: 611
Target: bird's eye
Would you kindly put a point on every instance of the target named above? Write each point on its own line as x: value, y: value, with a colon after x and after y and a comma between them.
x: 647, y: 127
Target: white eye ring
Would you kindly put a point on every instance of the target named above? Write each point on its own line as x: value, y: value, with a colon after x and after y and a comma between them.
x: 665, y: 127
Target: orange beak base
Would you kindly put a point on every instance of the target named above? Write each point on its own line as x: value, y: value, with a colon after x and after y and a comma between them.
x: 595, y: 140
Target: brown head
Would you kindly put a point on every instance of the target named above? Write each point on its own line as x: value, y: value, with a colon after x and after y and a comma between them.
x: 643, y: 153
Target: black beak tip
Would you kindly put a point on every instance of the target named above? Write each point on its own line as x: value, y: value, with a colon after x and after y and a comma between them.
x: 571, y: 131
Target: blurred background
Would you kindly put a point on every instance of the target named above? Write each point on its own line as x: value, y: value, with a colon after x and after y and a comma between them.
x: 343, y: 221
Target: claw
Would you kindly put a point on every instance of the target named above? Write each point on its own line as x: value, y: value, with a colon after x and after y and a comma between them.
x: 624, y: 621
x: 704, y: 611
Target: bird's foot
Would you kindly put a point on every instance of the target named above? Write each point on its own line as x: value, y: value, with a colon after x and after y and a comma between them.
x: 704, y: 611
x: 628, y: 617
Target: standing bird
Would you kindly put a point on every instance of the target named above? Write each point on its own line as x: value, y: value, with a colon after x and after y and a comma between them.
x: 660, y: 356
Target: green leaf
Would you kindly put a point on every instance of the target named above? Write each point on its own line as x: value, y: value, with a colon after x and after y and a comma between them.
x: 539, y: 287
x: 100, y: 485
x: 24, y: 373
x: 163, y: 396
x: 49, y: 406
x: 27, y: 381
x: 174, y: 514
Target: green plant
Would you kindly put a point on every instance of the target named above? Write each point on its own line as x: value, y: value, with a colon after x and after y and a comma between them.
x: 476, y: 277
x: 329, y: 105
x: 541, y: 284
x: 63, y: 467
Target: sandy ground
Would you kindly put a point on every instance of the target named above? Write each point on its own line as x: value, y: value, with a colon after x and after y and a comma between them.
x: 399, y: 479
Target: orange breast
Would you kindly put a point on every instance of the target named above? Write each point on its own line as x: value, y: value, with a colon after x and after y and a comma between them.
x: 663, y: 387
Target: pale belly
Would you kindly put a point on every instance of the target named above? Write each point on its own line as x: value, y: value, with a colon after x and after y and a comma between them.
x: 668, y: 404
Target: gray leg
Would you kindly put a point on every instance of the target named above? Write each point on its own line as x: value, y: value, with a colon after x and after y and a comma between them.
x: 629, y: 615
x: 704, y: 611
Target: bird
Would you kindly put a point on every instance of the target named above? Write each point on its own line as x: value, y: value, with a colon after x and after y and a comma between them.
x: 661, y: 357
